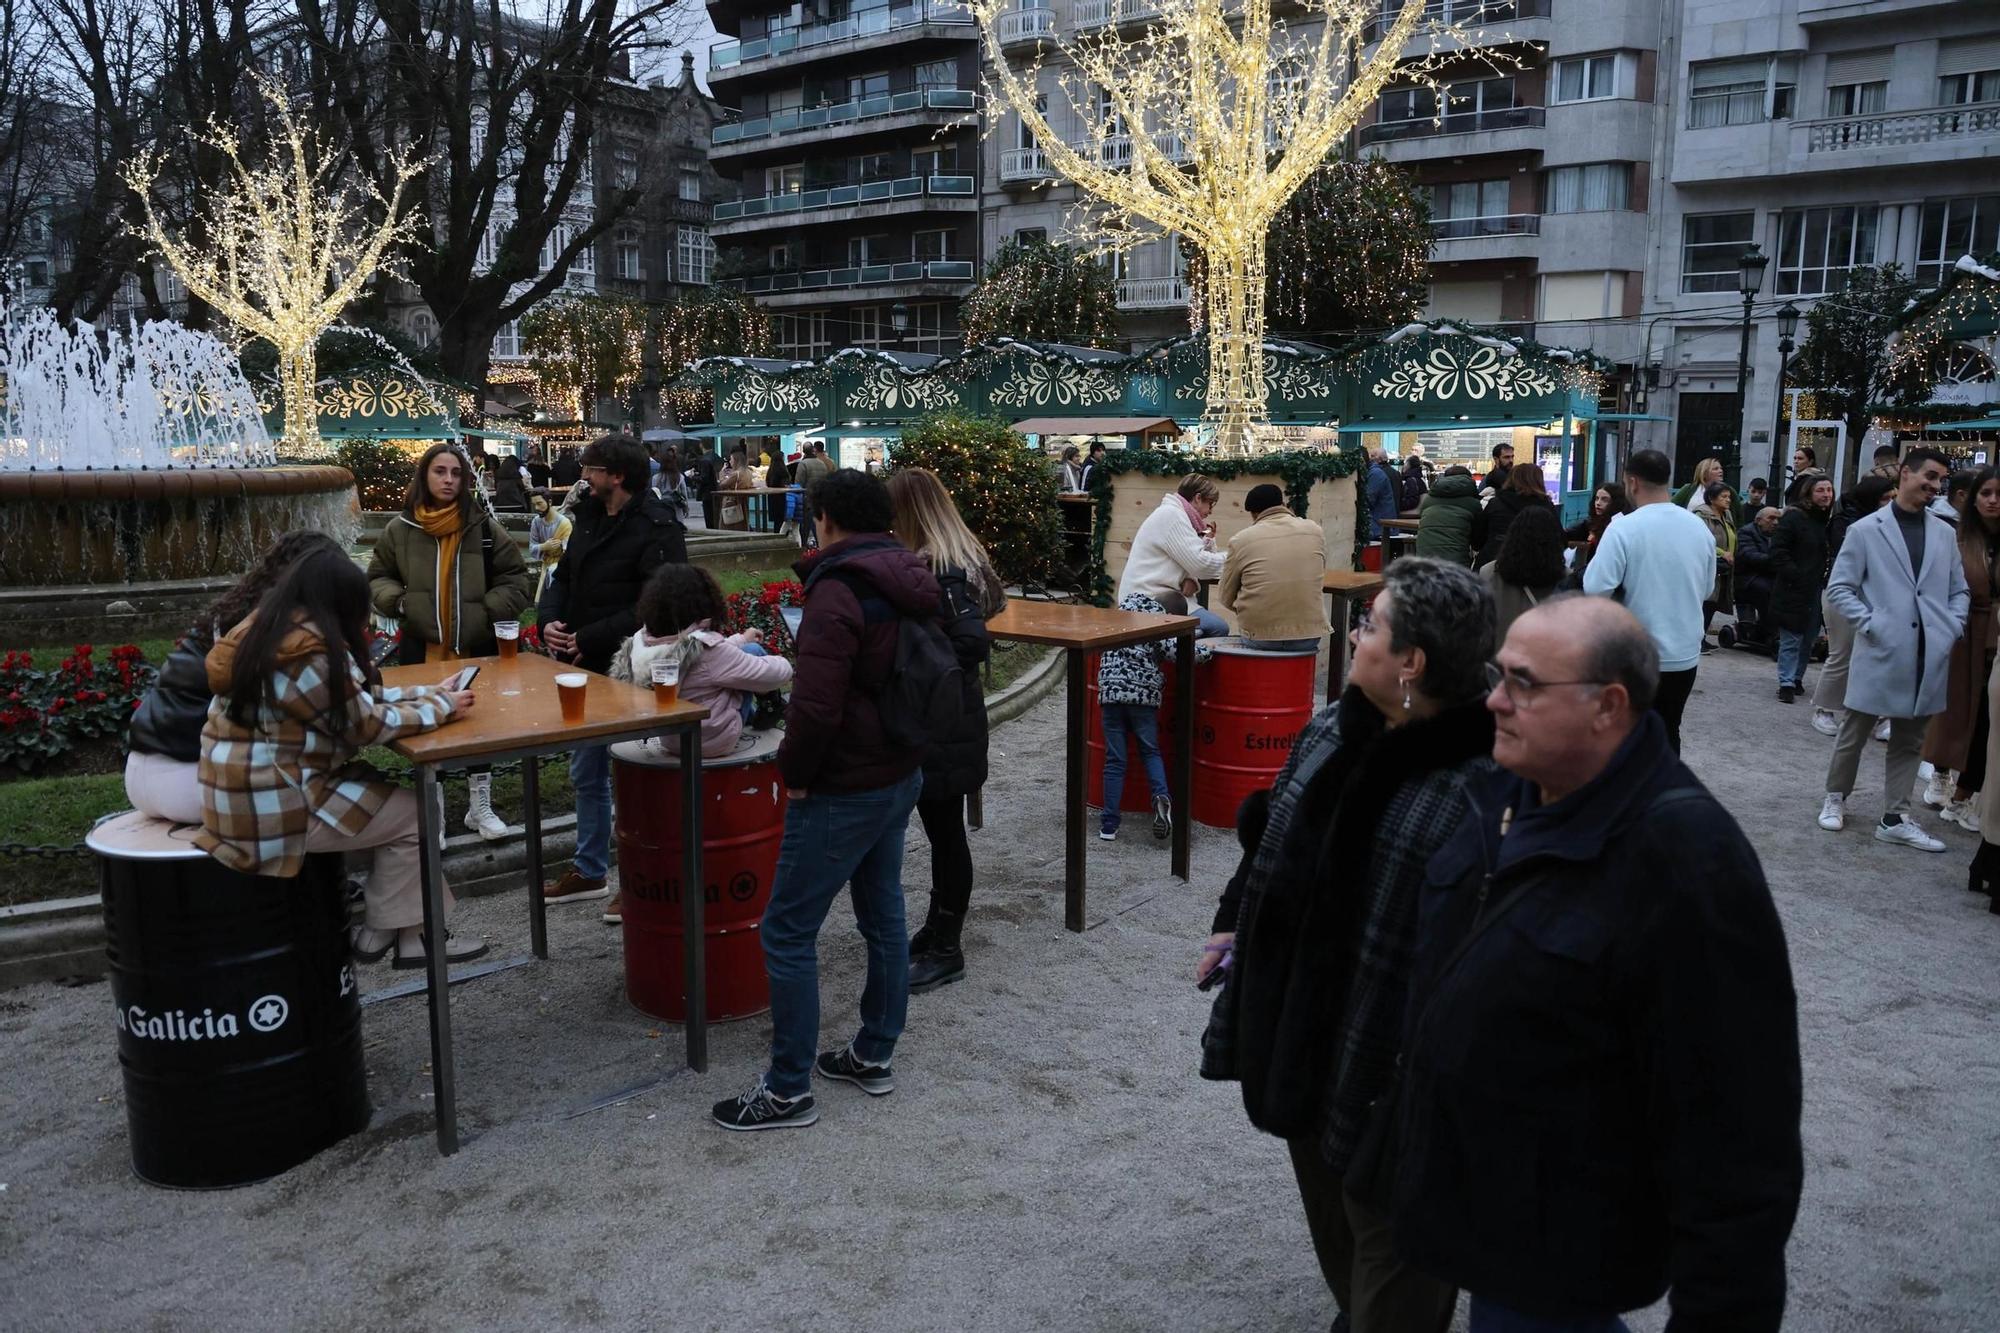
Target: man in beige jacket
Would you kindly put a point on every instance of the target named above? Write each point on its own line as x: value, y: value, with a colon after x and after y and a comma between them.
x: 1274, y: 574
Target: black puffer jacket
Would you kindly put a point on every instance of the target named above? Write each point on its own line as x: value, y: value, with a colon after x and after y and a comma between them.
x: 609, y: 558
x: 955, y: 765
x: 169, y: 719
x: 1800, y: 556
x: 1489, y: 525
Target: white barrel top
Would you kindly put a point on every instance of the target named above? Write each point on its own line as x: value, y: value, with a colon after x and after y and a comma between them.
x: 136, y: 837
x: 1238, y: 648
x: 752, y: 747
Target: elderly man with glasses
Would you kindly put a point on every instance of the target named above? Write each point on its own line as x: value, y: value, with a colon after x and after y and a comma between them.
x: 1601, y: 1070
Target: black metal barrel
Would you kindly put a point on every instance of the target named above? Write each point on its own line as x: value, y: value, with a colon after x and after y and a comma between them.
x: 239, y: 1021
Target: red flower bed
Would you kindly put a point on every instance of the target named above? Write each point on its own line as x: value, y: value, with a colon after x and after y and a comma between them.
x: 43, y: 714
x: 759, y: 608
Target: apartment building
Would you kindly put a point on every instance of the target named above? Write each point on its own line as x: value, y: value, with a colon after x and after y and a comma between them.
x: 853, y: 150
x: 1829, y: 133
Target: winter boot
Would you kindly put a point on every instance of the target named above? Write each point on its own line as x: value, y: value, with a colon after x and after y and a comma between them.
x: 935, y: 957
x: 479, y: 816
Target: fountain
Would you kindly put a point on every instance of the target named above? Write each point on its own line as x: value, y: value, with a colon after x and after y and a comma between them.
x: 136, y: 464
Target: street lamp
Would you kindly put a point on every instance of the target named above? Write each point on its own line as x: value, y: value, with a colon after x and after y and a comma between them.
x: 1749, y: 277
x: 899, y: 320
x: 1788, y: 326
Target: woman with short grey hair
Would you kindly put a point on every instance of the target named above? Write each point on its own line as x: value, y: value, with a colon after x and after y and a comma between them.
x: 1316, y: 932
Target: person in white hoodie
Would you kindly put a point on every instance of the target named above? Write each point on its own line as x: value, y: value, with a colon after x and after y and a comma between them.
x: 1174, y: 550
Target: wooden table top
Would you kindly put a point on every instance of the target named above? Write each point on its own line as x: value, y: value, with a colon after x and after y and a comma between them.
x: 1400, y: 524
x: 760, y: 490
x: 1066, y: 625
x: 1076, y: 498
x: 1351, y: 581
x: 500, y: 722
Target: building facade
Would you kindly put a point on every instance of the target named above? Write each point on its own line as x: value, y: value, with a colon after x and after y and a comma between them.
x: 853, y: 151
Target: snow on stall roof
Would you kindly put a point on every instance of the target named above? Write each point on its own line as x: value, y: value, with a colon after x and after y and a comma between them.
x: 1967, y: 264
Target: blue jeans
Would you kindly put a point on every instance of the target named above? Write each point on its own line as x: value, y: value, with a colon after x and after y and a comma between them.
x: 749, y: 704
x: 1795, y: 646
x: 590, y: 775
x: 1490, y: 1318
x: 1213, y: 626
x: 832, y: 840
x: 1142, y: 724
x: 1283, y: 645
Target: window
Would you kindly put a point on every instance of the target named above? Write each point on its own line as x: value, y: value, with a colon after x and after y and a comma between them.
x: 37, y: 273
x: 1597, y: 188
x: 35, y: 229
x: 694, y: 256
x: 1035, y: 234
x: 1816, y: 247
x: 1107, y: 113
x: 423, y: 329
x: 1954, y: 227
x: 1479, y: 95
x: 1857, y: 99
x: 937, y: 74
x: 1023, y: 136
x: 1711, y: 243
x: 624, y: 165
x: 789, y: 179
x: 934, y: 161
x: 1740, y: 92
x: 863, y: 250
x: 1586, y: 78
x: 862, y: 86
x: 1468, y: 199
x: 865, y: 325
x: 1968, y: 71
x: 1958, y: 89
x: 691, y: 183
x: 507, y: 342
x: 932, y: 244
x: 625, y: 257
x: 778, y: 257
x: 1401, y: 104
x: 801, y: 337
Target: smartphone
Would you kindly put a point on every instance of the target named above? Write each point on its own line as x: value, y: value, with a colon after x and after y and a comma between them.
x: 463, y: 680
x: 1217, y: 974
x: 793, y: 615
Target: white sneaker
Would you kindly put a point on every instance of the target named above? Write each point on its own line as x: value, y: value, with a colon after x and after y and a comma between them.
x: 1963, y: 813
x: 1882, y: 730
x: 1906, y: 832
x: 1833, y: 812
x: 1825, y: 722
x: 1937, y: 792
x: 481, y: 820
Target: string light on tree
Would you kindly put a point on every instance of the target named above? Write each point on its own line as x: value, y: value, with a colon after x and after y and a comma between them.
x: 583, y: 345
x: 285, y: 249
x: 1204, y: 125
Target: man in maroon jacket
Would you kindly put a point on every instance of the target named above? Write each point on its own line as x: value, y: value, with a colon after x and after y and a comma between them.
x: 852, y: 790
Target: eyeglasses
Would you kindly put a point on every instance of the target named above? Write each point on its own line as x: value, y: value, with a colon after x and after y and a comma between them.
x: 1365, y: 622
x: 1524, y: 690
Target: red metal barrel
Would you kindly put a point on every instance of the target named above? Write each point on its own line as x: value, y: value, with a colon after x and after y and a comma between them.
x: 1249, y: 706
x: 1137, y: 796
x: 742, y: 823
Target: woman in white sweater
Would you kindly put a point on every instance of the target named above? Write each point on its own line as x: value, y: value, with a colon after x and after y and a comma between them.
x: 1174, y: 551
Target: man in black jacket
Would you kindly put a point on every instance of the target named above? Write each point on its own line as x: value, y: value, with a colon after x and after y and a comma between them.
x: 621, y: 534
x: 1601, y: 1096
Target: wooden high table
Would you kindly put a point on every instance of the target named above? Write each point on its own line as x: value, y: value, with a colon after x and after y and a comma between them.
x: 1080, y: 631
x: 1345, y: 586
x: 518, y: 715
x: 750, y: 493
x: 1397, y: 534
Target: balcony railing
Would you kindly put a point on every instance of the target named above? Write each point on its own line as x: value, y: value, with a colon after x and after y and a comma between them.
x: 1027, y: 25
x: 846, y: 113
x: 868, y: 23
x: 1499, y: 224
x: 846, y: 196
x: 1103, y: 13
x: 1024, y: 164
x: 1472, y: 13
x: 1116, y: 150
x: 1897, y: 129
x: 865, y: 275
x: 1152, y: 293
x: 1461, y: 122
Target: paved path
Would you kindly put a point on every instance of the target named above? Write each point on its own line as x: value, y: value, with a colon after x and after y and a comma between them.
x: 1049, y: 1160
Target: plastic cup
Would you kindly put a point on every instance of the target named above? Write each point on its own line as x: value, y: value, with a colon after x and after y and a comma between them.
x: 569, y: 688
x: 667, y: 683
x: 507, y: 633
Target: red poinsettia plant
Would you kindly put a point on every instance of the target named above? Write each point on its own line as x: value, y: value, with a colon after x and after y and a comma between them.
x: 762, y: 609
x: 44, y: 713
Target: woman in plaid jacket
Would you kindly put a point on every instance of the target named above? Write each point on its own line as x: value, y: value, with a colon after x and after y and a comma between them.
x: 296, y: 697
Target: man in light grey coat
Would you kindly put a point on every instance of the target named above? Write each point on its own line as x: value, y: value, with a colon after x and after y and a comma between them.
x: 1900, y: 581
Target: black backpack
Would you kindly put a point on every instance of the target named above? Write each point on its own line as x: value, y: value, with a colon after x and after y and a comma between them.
x: 923, y: 700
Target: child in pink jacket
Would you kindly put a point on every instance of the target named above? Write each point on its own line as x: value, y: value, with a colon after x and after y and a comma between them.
x: 676, y: 609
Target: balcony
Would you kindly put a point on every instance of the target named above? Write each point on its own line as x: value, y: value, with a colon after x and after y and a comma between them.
x: 845, y: 113
x: 1025, y: 166
x: 828, y: 198
x: 1152, y: 294
x: 868, y: 23
x: 1088, y: 14
x: 1458, y: 122
x: 1116, y: 150
x: 863, y: 275
x: 1902, y: 129
x: 1471, y: 13
x: 1503, y: 224
x: 1020, y: 27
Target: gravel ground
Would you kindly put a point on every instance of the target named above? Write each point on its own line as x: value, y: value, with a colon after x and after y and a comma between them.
x: 1048, y: 1160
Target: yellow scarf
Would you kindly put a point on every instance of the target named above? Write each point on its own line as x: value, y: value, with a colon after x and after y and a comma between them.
x: 444, y: 524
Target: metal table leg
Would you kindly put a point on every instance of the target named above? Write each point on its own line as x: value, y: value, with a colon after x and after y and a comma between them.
x: 444, y: 1083
x: 538, y: 910
x: 1336, y: 646
x: 1183, y: 775
x: 1074, y: 813
x: 694, y: 890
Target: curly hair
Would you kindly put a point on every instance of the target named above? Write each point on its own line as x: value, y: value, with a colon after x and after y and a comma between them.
x: 679, y: 597
x: 1444, y: 609
x: 1531, y: 554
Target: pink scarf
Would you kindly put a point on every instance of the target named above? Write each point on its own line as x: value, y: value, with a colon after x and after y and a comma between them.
x: 1194, y: 515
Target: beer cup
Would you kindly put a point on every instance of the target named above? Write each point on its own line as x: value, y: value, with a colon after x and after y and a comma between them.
x: 569, y: 688
x: 507, y: 633
x: 667, y: 682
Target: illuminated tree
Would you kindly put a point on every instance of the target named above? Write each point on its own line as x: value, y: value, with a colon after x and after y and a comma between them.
x: 581, y: 347
x: 1205, y: 123
x: 286, y: 246
x: 1039, y: 292
x: 1847, y: 358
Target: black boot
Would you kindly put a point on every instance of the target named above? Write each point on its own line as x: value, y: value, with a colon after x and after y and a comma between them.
x: 935, y: 958
x: 1983, y: 875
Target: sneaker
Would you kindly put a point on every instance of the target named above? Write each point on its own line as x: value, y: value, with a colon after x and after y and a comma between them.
x: 1937, y: 792
x: 1825, y: 723
x: 1163, y: 817
x: 760, y: 1108
x: 1108, y: 832
x: 1882, y: 730
x: 1963, y: 813
x: 411, y: 954
x: 1833, y: 812
x: 845, y: 1065
x: 574, y: 888
x: 939, y: 965
x: 1787, y: 693
x: 1904, y: 830
x: 614, y: 911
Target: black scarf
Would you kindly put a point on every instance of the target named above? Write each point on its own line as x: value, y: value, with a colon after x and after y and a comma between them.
x: 1294, y: 968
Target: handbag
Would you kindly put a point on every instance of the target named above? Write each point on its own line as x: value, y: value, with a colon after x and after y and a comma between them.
x: 732, y: 512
